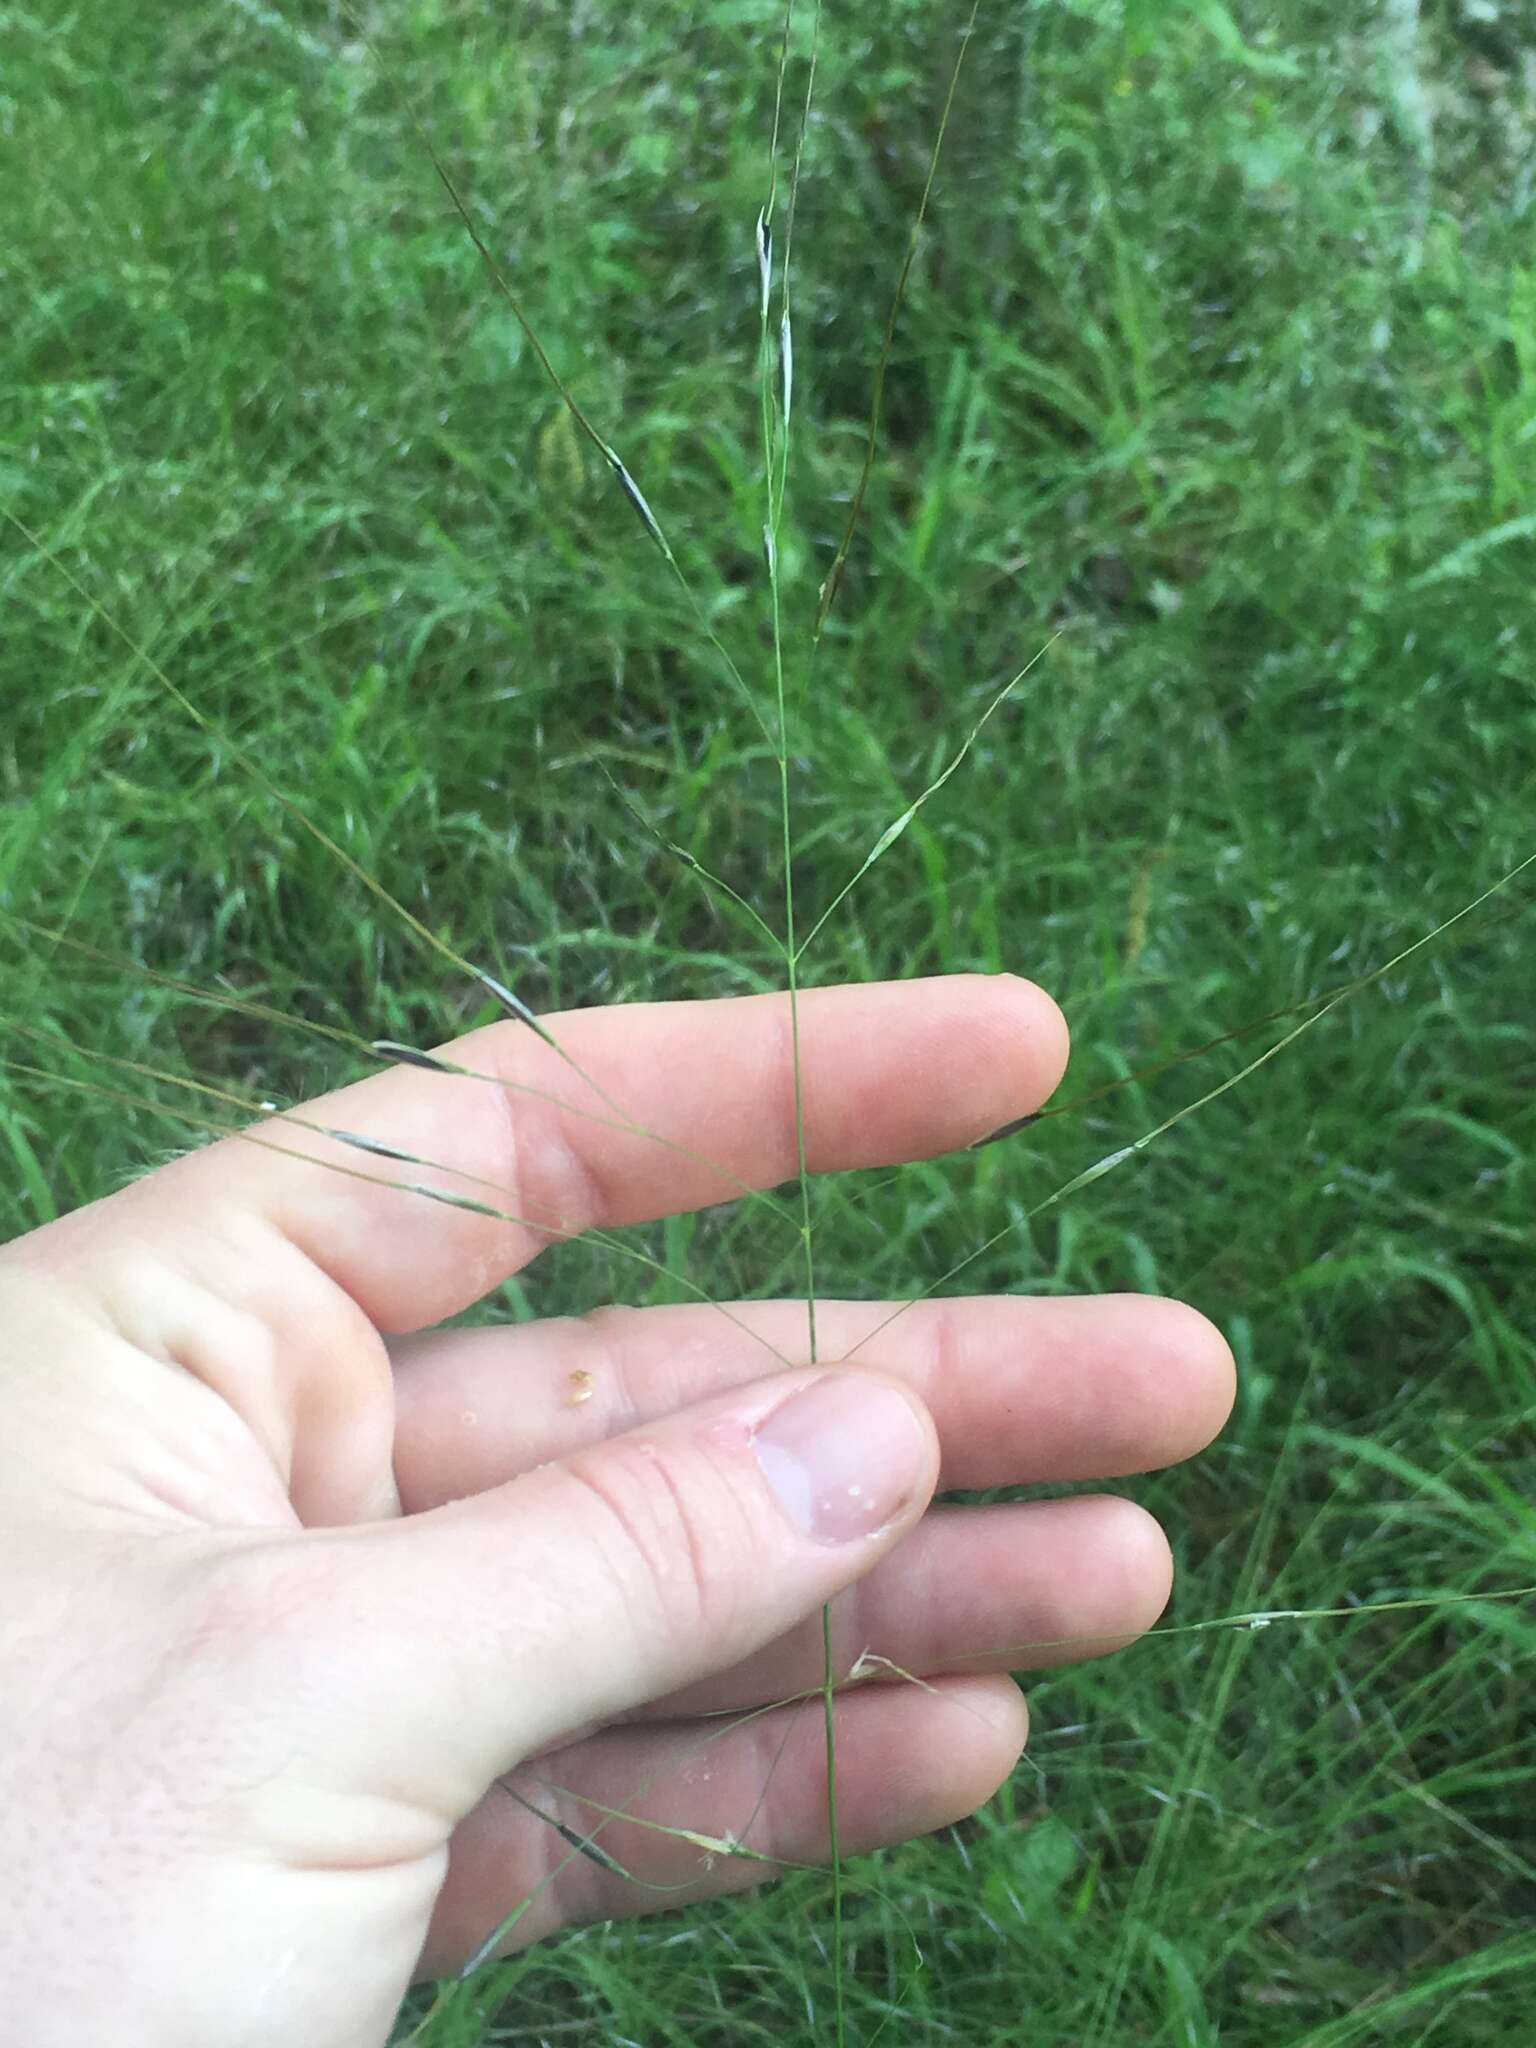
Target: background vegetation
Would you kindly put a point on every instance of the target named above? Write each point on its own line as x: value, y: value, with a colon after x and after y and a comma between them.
x: 1219, y: 357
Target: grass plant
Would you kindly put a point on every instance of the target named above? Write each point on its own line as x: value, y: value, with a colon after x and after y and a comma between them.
x: 1208, y: 417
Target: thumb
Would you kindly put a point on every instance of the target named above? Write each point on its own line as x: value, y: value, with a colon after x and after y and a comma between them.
x: 491, y: 1628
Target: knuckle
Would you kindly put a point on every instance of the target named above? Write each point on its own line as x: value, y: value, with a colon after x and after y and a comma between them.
x: 558, y: 1186
x: 950, y: 1338
x: 671, y: 1535
x: 275, y: 1595
x: 602, y: 1349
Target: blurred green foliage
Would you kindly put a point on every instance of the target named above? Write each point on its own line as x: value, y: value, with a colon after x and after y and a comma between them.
x: 1219, y: 359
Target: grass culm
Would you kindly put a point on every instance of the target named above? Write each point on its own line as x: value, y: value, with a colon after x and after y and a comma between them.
x: 1172, y: 647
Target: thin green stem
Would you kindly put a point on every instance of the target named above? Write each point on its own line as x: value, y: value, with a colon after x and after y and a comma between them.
x: 834, y: 1847
x: 775, y: 416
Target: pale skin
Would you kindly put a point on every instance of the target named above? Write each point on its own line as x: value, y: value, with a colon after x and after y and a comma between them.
x: 289, y: 1580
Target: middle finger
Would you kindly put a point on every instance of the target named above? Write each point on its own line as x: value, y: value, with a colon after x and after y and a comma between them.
x: 1021, y: 1389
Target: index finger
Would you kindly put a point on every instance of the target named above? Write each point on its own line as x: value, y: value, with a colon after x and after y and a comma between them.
x: 887, y: 1072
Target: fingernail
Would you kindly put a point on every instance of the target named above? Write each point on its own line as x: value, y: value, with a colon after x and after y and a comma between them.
x: 843, y: 1456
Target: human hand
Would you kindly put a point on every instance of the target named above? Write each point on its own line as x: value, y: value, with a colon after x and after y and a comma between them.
x: 285, y: 1588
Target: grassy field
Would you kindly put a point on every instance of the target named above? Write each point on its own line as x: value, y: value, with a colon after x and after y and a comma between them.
x: 1219, y: 362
